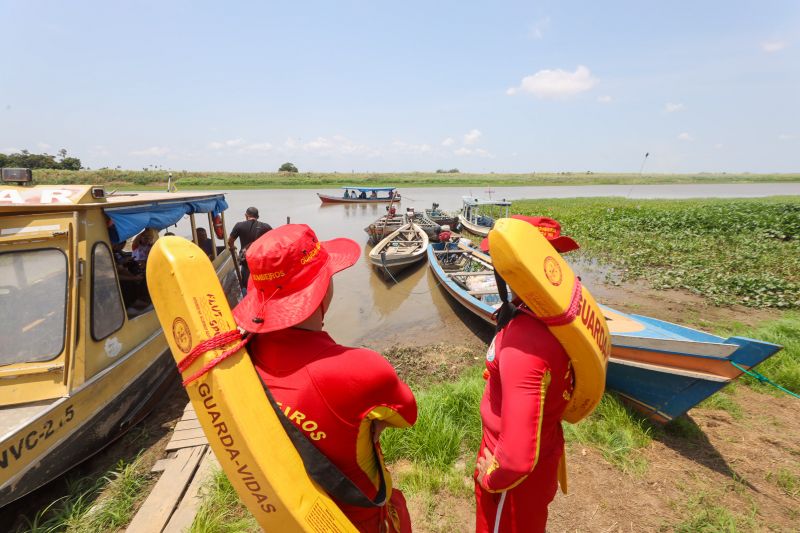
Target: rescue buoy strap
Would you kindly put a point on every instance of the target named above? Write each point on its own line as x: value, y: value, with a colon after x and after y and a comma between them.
x: 217, y: 341
x: 322, y: 470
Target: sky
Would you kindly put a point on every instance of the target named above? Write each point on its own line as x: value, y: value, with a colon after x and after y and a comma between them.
x: 378, y: 86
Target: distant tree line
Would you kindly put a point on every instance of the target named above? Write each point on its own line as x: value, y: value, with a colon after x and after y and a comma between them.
x: 25, y: 159
x: 451, y: 171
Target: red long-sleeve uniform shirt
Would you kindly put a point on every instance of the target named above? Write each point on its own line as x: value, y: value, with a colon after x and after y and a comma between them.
x: 529, y: 384
x: 333, y: 393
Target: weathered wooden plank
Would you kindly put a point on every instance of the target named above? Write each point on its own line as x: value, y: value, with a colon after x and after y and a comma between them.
x: 184, y: 434
x: 183, y: 516
x: 187, y: 424
x: 167, y: 492
x: 187, y: 443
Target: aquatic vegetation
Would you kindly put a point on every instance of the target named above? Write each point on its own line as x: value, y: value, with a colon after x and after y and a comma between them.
x: 255, y: 180
x: 741, y: 251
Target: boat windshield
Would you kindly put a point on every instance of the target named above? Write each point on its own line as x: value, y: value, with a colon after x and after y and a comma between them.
x: 33, y: 302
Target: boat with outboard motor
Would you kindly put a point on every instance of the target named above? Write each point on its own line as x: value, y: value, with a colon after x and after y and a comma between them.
x: 441, y: 217
x: 661, y: 368
x: 78, y: 365
x: 478, y: 216
x: 365, y: 195
x: 392, y: 221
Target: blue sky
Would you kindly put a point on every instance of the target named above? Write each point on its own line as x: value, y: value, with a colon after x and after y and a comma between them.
x: 403, y: 86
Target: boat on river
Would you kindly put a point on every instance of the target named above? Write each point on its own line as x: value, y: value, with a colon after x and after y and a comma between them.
x: 402, y: 248
x: 661, y: 369
x: 391, y: 222
x: 478, y: 216
x: 78, y: 365
x: 441, y: 217
x: 365, y: 195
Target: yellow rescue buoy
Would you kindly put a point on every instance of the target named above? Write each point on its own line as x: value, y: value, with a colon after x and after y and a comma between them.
x: 544, y: 281
x: 237, y: 418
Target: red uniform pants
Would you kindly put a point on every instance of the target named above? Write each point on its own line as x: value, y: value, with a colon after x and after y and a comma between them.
x: 393, y: 518
x: 522, y: 509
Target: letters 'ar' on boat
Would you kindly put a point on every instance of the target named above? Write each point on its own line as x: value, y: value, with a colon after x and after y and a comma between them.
x: 78, y: 368
x: 402, y: 248
x: 478, y: 216
x: 362, y: 195
x: 661, y: 368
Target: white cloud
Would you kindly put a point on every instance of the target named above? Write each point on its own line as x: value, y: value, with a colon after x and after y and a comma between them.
x: 605, y: 99
x: 410, y: 148
x: 256, y: 147
x: 462, y: 151
x: 480, y: 152
x: 337, y: 145
x: 685, y: 137
x: 785, y: 137
x: 448, y: 142
x: 556, y: 83
x: 472, y: 136
x: 672, y: 108
x: 539, y: 27
x: 231, y: 143
x: 152, y: 151
x: 719, y: 146
x: 9, y: 150
x: 773, y: 46
x: 43, y: 146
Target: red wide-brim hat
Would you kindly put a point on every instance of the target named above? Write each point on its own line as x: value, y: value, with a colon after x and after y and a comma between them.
x: 550, y: 228
x: 262, y: 311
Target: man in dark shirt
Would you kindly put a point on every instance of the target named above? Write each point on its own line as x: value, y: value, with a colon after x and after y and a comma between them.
x: 204, y: 242
x: 247, y: 232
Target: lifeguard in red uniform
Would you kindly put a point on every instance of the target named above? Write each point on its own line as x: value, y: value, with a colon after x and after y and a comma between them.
x: 339, y: 397
x: 529, y: 383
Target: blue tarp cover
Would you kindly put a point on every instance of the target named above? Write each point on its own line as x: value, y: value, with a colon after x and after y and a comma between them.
x: 130, y: 221
x: 371, y: 188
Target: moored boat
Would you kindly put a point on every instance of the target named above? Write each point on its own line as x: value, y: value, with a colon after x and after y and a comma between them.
x: 478, y: 216
x: 441, y: 217
x: 399, y: 250
x: 80, y: 364
x: 661, y: 368
x: 391, y: 222
x: 365, y: 195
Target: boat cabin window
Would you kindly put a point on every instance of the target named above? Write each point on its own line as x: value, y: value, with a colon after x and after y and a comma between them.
x: 107, y: 311
x: 33, y: 299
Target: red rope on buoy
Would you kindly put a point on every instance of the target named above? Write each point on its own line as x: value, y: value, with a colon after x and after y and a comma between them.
x: 567, y: 316
x: 217, y: 341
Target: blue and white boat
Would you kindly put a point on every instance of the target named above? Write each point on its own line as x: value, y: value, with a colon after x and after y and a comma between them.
x: 661, y: 368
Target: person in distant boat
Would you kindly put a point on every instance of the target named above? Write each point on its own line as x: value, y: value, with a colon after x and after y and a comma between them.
x: 363, y: 195
x: 529, y: 383
x: 247, y: 231
x: 204, y: 242
x: 373, y: 194
x: 340, y: 397
x: 347, y: 194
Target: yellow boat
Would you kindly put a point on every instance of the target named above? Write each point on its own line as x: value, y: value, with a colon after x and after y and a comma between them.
x: 78, y: 366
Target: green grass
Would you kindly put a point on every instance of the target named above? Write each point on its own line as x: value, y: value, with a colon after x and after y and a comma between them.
x: 724, y: 401
x: 448, y: 425
x: 783, y: 367
x: 617, y: 432
x: 104, y: 504
x: 158, y: 179
x: 730, y: 251
x: 787, y: 479
x: 221, y: 510
x: 704, y: 515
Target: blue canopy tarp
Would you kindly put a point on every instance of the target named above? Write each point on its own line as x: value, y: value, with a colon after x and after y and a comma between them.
x: 371, y: 188
x: 130, y: 221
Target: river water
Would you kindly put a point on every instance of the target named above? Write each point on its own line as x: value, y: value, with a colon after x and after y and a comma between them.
x: 367, y: 311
